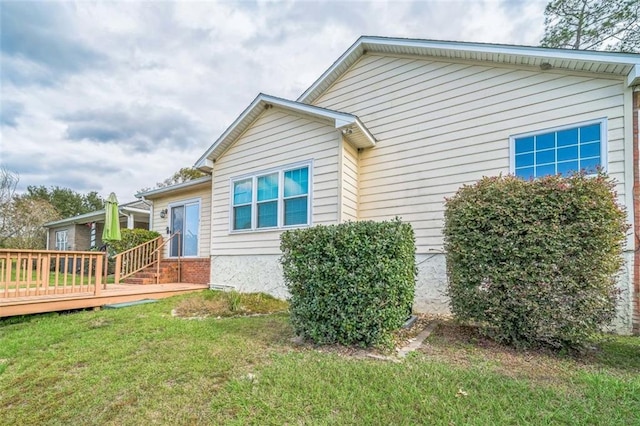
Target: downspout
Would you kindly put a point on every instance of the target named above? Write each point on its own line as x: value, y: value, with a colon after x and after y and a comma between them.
x: 636, y: 210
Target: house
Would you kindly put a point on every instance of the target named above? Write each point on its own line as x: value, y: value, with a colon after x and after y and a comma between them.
x: 392, y: 128
x: 83, y: 232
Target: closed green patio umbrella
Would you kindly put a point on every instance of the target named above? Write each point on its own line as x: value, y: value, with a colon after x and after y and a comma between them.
x: 111, y: 229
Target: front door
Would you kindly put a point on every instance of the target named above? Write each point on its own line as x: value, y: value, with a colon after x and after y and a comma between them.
x: 185, y: 219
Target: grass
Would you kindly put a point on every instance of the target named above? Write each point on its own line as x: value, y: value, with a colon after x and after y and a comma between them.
x: 141, y: 365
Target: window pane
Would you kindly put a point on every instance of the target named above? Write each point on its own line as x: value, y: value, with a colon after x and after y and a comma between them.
x: 525, y: 173
x: 190, y: 238
x: 242, y: 192
x: 547, y: 170
x: 590, y: 150
x: 268, y: 187
x: 268, y: 214
x: 546, y: 157
x: 590, y: 133
x: 590, y: 165
x: 524, y: 160
x: 242, y: 217
x: 568, y: 137
x: 295, y: 211
x: 177, y: 223
x: 568, y: 167
x: 546, y: 141
x: 568, y: 153
x: 524, y: 145
x: 296, y: 182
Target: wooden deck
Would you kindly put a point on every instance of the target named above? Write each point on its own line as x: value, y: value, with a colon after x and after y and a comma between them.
x: 114, y: 293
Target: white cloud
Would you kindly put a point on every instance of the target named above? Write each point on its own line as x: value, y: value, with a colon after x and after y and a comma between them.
x: 117, y: 96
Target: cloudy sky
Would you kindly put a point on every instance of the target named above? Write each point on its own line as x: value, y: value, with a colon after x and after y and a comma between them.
x: 116, y: 96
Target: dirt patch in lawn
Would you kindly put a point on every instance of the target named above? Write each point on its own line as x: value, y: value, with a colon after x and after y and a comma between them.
x: 220, y: 304
x: 464, y: 346
x: 400, y: 339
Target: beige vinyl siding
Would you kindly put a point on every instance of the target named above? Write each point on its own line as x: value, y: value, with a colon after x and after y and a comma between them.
x: 160, y: 225
x: 349, y: 183
x: 275, y: 140
x: 442, y: 124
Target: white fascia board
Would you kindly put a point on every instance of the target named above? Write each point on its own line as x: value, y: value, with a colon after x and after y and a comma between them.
x: 81, y: 218
x: 541, y: 52
x: 633, y: 79
x: 175, y: 187
x: 134, y: 210
x: 366, y: 132
x: 369, y: 43
x: 231, y: 128
x: 352, y: 51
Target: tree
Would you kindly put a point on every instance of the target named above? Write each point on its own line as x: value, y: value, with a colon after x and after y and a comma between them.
x: 26, y: 219
x: 8, y: 182
x: 66, y: 201
x: 21, y: 218
x: 612, y: 25
x: 185, y: 174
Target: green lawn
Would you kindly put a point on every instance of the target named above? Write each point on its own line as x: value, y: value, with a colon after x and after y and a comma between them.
x: 140, y: 365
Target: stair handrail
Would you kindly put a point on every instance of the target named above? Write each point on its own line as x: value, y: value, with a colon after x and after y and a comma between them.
x: 158, y: 251
x: 136, y: 259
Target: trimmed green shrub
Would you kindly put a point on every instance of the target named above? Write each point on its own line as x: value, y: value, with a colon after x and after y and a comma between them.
x: 351, y: 283
x: 535, y: 262
x: 132, y: 238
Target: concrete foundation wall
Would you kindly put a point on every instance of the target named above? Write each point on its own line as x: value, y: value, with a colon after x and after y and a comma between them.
x: 263, y: 273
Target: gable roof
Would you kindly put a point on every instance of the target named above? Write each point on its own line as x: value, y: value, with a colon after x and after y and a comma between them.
x: 350, y: 125
x: 618, y: 64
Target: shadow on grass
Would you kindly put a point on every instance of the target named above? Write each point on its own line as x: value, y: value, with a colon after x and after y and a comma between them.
x: 615, y: 352
x: 463, y: 345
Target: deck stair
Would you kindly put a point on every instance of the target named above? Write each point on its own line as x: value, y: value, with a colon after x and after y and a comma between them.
x: 166, y: 273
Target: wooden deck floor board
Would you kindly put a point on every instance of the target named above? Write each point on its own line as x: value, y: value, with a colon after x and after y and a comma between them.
x: 114, y: 293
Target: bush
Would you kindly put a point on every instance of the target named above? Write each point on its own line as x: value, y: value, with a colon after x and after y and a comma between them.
x: 535, y: 262
x: 131, y: 238
x: 351, y: 283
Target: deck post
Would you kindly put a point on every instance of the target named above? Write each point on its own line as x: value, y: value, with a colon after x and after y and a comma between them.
x: 99, y: 264
x: 117, y: 271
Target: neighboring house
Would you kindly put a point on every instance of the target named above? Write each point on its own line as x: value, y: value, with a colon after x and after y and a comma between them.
x: 84, y: 231
x: 391, y: 129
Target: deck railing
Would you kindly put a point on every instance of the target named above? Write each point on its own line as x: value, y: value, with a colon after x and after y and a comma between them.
x: 137, y: 258
x: 144, y: 256
x: 45, y: 272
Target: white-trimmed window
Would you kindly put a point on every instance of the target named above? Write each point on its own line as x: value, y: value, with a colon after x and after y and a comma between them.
x: 563, y: 150
x: 62, y: 242
x: 271, y: 199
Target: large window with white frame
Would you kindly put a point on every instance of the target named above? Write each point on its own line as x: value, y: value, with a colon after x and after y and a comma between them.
x: 271, y: 199
x: 563, y: 150
x: 62, y: 242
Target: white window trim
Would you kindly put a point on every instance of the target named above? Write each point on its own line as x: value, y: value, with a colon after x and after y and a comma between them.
x: 604, y: 146
x: 170, y: 206
x: 66, y: 239
x: 254, y: 198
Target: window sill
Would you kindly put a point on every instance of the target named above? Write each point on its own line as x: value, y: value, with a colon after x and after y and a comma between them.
x: 265, y: 230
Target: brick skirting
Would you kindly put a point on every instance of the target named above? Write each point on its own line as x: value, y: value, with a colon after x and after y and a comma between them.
x: 193, y: 271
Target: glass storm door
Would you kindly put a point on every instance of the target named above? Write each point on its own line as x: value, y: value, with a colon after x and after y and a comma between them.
x: 185, y: 219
